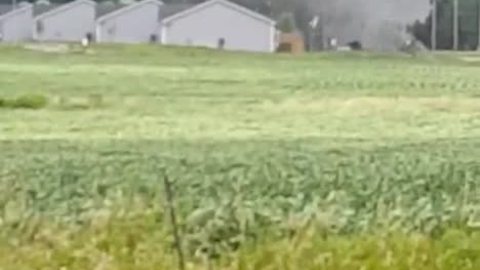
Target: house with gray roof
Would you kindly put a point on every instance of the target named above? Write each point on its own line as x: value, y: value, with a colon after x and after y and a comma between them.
x: 168, y: 10
x: 219, y: 23
x: 16, y: 22
x: 68, y: 22
x: 133, y: 23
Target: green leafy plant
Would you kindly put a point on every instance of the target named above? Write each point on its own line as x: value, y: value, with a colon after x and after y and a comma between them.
x: 28, y: 101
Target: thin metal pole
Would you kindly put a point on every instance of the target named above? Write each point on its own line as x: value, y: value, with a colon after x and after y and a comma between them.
x: 455, y: 25
x: 478, y: 24
x: 311, y: 40
x: 433, y: 34
x: 173, y: 220
x: 14, y: 7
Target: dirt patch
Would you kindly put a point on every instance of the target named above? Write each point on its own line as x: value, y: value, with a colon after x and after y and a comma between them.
x: 470, y: 59
x: 48, y: 48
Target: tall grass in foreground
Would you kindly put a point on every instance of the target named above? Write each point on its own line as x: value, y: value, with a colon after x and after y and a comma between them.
x: 142, y: 242
x: 289, y: 206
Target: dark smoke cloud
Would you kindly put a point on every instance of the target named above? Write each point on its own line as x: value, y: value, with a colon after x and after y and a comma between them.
x: 377, y: 24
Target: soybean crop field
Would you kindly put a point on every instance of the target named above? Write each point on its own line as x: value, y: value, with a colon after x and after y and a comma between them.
x: 335, y: 161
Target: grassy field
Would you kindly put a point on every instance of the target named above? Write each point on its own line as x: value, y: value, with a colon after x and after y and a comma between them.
x: 328, y: 161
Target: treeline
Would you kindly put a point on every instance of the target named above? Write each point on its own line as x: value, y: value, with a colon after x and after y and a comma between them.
x: 468, y: 25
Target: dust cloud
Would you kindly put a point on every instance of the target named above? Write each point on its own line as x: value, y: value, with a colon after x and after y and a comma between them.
x: 377, y: 24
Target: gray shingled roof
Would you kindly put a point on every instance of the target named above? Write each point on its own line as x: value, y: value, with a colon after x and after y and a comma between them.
x: 39, y: 9
x: 106, y: 8
x: 5, y: 8
x: 168, y: 10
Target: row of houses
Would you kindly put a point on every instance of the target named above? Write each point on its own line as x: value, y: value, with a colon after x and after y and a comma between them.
x: 214, y: 23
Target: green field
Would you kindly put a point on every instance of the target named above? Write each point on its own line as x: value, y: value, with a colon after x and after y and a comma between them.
x: 329, y: 161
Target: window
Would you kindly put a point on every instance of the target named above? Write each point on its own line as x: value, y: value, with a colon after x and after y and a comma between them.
x: 40, y: 27
x: 221, y: 43
x: 153, y: 38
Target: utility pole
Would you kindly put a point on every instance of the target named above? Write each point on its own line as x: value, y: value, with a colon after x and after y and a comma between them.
x: 455, y: 25
x: 14, y: 7
x: 478, y: 24
x: 313, y: 31
x: 433, y: 34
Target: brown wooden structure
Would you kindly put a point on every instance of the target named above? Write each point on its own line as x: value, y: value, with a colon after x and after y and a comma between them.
x: 291, y: 43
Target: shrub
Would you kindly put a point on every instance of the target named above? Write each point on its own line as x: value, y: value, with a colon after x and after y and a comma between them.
x: 28, y: 102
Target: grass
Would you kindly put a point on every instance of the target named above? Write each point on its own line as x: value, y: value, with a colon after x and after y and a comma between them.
x: 328, y: 161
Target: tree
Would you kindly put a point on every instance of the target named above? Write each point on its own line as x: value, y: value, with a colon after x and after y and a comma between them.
x: 286, y: 23
x: 458, y: 25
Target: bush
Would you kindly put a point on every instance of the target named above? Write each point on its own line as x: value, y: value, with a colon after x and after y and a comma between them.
x: 28, y: 102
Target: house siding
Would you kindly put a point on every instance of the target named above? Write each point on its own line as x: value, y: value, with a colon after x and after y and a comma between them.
x: 133, y: 26
x: 219, y: 21
x: 17, y: 26
x: 67, y: 25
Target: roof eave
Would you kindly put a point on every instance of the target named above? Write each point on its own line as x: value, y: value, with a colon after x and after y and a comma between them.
x: 125, y: 9
x: 63, y: 7
x: 248, y: 12
x: 15, y: 11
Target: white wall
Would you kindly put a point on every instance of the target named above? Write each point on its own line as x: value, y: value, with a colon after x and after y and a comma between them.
x: 18, y: 25
x: 205, y: 27
x: 134, y: 26
x: 68, y: 25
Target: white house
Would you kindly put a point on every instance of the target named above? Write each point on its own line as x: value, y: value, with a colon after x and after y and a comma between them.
x: 16, y: 23
x: 68, y: 22
x: 134, y: 23
x: 220, y: 23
